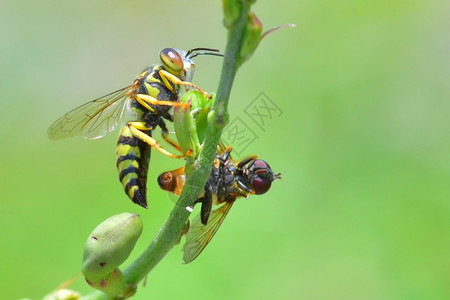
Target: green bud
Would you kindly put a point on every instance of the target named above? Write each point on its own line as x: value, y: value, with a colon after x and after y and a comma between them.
x: 231, y: 10
x: 109, y: 245
x: 252, y: 37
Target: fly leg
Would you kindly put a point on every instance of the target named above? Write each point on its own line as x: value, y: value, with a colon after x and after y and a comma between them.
x: 245, y: 161
x: 206, y: 202
x: 137, y: 129
x: 226, y: 154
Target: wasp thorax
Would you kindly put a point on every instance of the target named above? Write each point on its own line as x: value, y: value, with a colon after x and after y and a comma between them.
x: 172, y: 60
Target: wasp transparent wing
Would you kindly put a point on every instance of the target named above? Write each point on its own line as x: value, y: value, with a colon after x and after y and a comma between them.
x: 94, y: 119
x: 200, y: 235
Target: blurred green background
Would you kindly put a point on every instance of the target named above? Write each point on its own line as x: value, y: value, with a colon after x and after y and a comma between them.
x: 362, y: 211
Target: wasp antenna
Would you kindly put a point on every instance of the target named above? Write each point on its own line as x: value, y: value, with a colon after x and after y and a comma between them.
x: 205, y: 53
x: 203, y: 49
x: 194, y: 52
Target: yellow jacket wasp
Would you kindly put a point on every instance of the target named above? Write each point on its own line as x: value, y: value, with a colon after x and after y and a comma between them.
x: 148, y: 101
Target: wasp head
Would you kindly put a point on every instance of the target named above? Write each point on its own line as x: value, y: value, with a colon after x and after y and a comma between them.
x: 178, y: 63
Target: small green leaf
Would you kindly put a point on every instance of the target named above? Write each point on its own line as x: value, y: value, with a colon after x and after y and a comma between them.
x: 199, y: 115
x: 191, y: 123
x: 181, y: 121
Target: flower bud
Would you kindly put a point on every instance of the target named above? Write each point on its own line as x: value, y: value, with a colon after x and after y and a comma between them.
x: 252, y: 37
x: 109, y: 245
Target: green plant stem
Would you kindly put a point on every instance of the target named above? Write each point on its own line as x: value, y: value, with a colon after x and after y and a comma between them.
x: 170, y: 232
x: 174, y: 225
x: 230, y: 64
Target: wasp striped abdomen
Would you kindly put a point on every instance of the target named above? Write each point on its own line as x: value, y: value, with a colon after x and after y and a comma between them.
x: 133, y: 157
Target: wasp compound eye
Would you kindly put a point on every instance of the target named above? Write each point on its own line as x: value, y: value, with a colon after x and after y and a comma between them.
x: 172, y: 59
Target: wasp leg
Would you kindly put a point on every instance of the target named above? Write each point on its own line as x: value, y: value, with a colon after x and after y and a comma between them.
x: 166, y: 77
x: 136, y: 129
x: 146, y: 100
x: 165, y: 136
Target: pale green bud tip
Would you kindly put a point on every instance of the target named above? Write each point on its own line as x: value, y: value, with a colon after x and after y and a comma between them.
x: 112, y: 284
x: 63, y: 294
x: 109, y: 245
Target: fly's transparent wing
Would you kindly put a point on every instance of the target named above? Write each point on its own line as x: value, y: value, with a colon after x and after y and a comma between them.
x: 200, y: 235
x: 94, y: 119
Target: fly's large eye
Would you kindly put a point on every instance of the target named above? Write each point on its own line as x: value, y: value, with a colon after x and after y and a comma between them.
x: 261, y: 185
x: 261, y: 164
x: 263, y: 176
x: 171, y: 59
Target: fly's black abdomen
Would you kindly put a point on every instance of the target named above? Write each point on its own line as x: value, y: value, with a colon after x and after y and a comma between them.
x: 133, y: 156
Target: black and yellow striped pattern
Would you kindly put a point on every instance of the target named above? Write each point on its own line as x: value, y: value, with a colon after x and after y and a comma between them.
x: 133, y: 157
x: 133, y: 154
